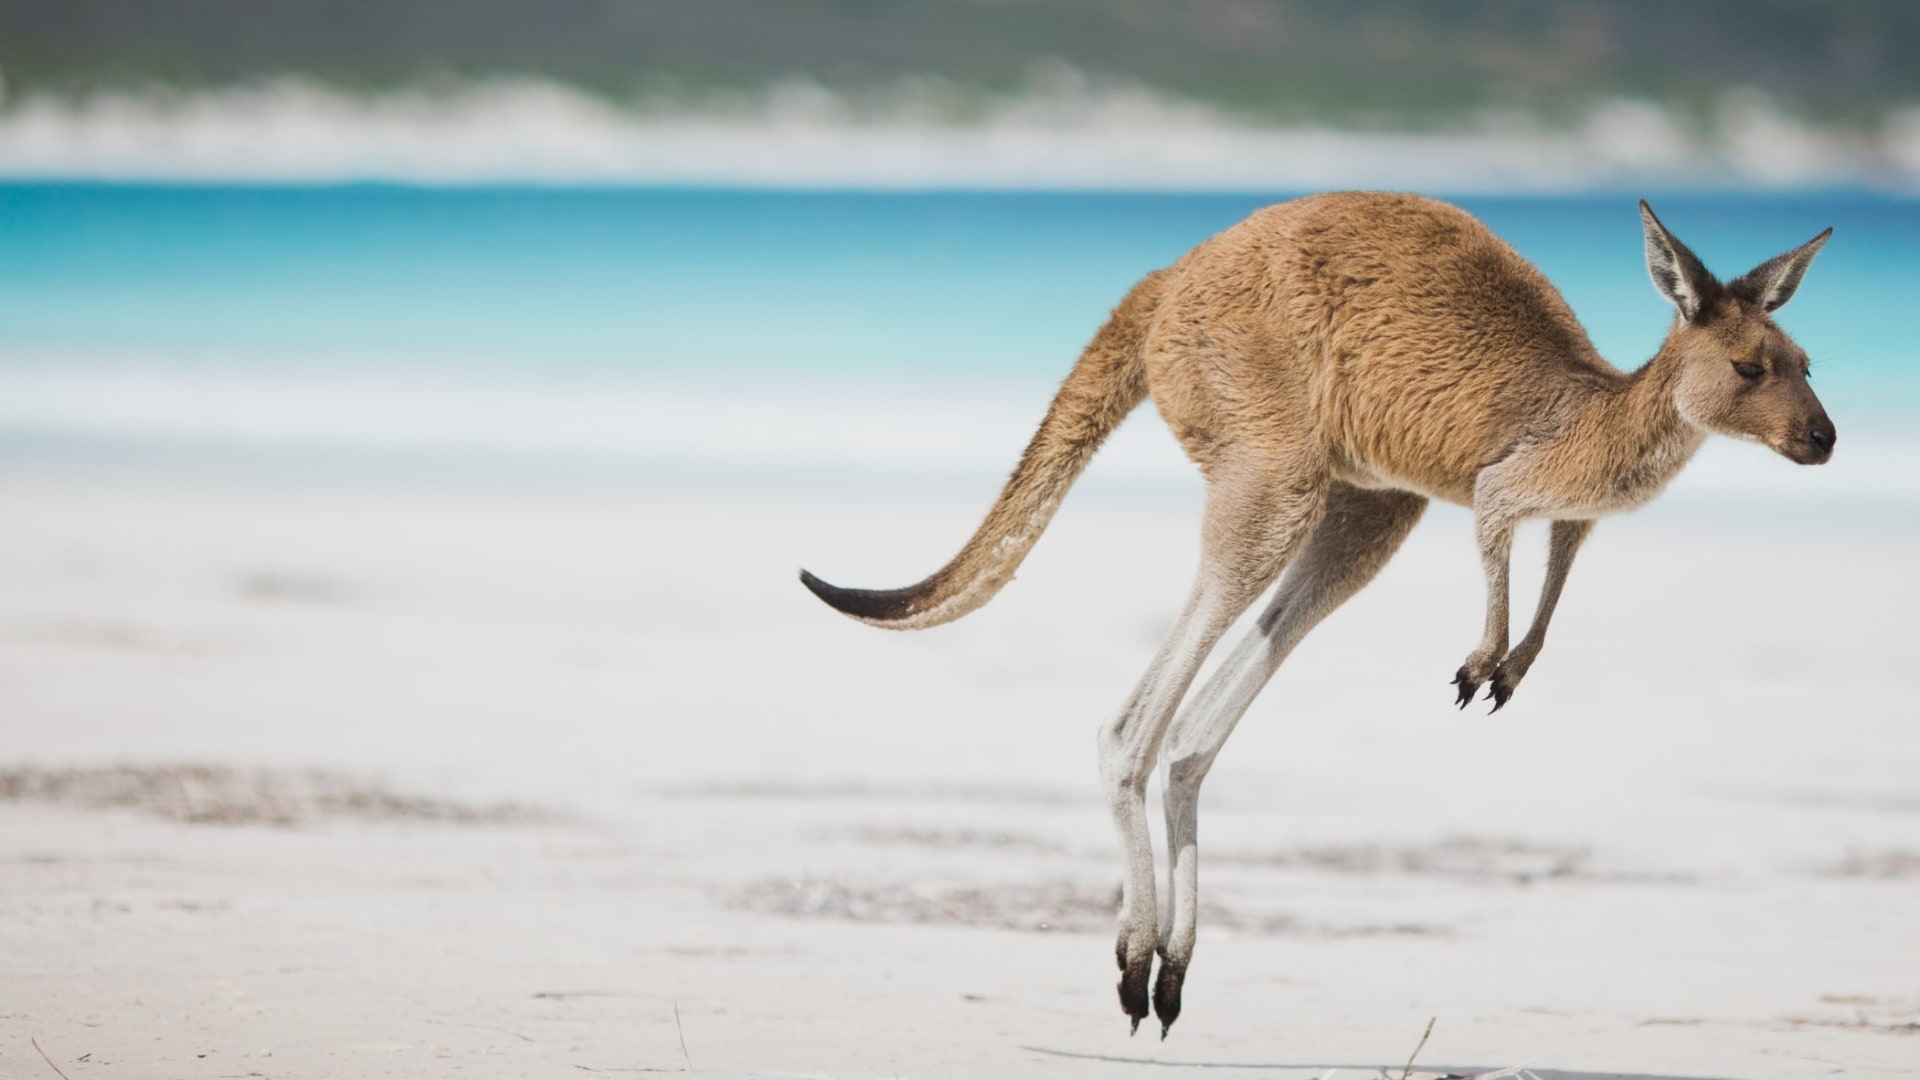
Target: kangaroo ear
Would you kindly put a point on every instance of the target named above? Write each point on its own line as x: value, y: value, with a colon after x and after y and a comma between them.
x: 1677, y: 273
x: 1772, y: 283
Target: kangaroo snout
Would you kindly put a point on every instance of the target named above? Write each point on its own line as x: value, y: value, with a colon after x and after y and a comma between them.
x: 1821, y: 435
x: 1815, y: 444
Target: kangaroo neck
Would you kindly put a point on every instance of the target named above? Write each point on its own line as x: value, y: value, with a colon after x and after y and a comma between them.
x: 1645, y: 439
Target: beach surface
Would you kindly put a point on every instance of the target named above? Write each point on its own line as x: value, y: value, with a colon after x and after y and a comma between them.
x: 312, y: 776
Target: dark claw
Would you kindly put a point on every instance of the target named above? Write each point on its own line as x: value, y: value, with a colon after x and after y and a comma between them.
x: 1135, y: 1028
x: 1166, y: 994
x: 1467, y: 688
x: 1133, y: 992
x: 1499, y: 692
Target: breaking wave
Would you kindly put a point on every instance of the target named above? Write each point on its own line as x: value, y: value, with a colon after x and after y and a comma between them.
x: 1062, y: 131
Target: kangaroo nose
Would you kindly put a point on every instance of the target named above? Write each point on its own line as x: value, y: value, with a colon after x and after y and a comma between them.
x: 1821, y: 435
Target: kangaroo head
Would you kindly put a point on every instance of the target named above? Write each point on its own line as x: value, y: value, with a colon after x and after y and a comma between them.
x: 1738, y: 373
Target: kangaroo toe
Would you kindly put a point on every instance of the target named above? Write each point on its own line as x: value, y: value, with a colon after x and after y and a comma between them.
x: 1499, y: 689
x: 1507, y: 675
x: 1166, y: 993
x: 1135, y: 968
x: 1466, y: 686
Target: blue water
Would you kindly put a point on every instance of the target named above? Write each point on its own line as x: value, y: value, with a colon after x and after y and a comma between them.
x: 824, y: 288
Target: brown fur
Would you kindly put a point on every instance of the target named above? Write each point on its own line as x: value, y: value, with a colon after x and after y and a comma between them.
x: 1331, y: 364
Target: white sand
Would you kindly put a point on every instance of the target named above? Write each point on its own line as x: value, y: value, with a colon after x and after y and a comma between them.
x: 1691, y: 845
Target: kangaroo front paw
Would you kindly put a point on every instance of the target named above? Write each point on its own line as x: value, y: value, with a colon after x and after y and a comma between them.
x: 1507, y: 676
x: 1499, y: 689
x: 1473, y: 673
x: 1467, y: 687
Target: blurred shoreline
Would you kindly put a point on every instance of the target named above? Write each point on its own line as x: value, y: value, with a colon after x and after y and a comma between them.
x: 409, y: 428
x: 1067, y: 134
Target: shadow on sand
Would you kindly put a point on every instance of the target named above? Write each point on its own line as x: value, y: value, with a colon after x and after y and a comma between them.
x: 1393, y: 1072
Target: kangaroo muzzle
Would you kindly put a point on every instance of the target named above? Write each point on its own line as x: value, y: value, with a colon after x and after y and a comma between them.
x: 1814, y: 443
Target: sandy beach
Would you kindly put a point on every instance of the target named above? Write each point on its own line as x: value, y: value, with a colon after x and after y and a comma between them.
x: 414, y: 417
x: 327, y: 776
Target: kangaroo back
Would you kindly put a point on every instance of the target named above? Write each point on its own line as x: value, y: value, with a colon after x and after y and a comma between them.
x: 1106, y: 384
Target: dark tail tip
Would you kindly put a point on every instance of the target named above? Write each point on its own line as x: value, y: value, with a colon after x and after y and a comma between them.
x: 817, y: 587
x: 874, y: 605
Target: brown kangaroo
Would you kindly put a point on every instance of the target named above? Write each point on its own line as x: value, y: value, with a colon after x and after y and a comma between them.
x: 1331, y: 364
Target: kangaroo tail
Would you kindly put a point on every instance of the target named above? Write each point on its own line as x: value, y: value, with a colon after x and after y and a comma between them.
x: 1105, y: 385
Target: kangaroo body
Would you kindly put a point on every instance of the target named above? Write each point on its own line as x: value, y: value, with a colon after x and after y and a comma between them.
x: 1345, y: 331
x: 1332, y: 364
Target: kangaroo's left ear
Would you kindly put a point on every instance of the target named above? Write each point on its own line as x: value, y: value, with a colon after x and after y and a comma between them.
x: 1772, y: 283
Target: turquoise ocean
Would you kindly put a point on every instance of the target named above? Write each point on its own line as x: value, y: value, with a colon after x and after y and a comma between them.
x: 657, y: 330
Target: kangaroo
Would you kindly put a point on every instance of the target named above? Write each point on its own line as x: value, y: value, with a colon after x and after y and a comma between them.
x: 1331, y: 364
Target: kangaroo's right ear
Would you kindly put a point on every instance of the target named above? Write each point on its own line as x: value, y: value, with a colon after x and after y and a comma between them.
x: 1679, y: 274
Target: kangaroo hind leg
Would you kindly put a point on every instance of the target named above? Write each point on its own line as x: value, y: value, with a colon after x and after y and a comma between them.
x: 1358, y: 534
x: 1256, y: 518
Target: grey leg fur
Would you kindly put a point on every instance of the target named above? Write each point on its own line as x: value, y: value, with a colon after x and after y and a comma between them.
x: 1566, y: 541
x: 1360, y: 532
x: 1254, y: 524
x: 1495, y: 534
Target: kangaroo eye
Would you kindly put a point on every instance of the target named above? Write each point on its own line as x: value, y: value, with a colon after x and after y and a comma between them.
x: 1749, y: 371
